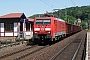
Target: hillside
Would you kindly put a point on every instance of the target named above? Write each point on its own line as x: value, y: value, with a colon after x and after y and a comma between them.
x: 71, y: 14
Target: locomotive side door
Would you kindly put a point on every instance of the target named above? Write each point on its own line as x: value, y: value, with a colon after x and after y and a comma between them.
x: 55, y: 25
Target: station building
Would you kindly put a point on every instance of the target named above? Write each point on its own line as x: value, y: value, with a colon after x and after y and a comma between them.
x: 10, y: 25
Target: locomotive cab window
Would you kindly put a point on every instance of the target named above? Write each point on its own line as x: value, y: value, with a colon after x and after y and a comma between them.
x: 39, y: 22
x: 46, y: 21
x: 43, y: 21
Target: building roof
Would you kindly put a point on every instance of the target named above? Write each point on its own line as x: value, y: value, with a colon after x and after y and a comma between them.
x: 30, y: 19
x: 12, y: 15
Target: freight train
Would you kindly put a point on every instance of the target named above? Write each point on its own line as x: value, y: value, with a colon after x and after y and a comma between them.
x: 49, y: 29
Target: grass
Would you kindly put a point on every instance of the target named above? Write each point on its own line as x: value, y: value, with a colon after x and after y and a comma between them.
x: 88, y: 30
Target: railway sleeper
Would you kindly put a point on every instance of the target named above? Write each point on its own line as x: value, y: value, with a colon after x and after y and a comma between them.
x: 23, y: 56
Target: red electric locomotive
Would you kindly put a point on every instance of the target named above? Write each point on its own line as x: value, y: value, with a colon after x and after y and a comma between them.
x: 48, y: 29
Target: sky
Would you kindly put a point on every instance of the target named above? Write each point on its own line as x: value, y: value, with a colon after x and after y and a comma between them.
x: 31, y: 7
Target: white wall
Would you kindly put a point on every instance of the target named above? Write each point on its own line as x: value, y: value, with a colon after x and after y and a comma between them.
x: 24, y: 27
x: 8, y: 34
x: 15, y: 26
x: 2, y: 29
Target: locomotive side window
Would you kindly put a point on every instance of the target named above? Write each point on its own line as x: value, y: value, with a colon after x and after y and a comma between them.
x: 43, y: 21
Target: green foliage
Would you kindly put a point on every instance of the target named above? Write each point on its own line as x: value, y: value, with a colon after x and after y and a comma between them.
x: 89, y: 30
x: 83, y: 24
x: 71, y: 19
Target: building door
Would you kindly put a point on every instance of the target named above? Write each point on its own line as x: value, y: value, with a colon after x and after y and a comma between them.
x: 21, y: 26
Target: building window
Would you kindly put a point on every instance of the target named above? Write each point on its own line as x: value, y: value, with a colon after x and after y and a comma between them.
x: 0, y: 25
x: 9, y: 27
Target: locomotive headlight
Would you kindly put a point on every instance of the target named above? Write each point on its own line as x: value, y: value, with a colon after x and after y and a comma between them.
x: 47, y: 29
x: 36, y: 32
x: 49, y: 32
x: 37, y: 29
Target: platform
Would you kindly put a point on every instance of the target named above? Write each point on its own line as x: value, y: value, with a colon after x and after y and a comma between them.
x: 88, y: 47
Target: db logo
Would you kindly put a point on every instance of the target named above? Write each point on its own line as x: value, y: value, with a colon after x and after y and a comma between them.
x: 42, y: 29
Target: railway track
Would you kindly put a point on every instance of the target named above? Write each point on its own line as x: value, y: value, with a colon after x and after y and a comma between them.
x: 70, y: 51
x: 47, y: 53
x: 26, y: 54
x: 39, y: 53
x: 15, y: 52
x: 21, y: 53
x: 7, y: 45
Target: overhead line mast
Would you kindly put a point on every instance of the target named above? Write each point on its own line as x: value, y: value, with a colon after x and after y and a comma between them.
x: 57, y: 11
x: 75, y: 22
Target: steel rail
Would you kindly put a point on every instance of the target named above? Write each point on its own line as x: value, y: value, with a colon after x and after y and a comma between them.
x: 27, y: 54
x: 52, y: 58
x: 75, y: 54
x: 9, y: 54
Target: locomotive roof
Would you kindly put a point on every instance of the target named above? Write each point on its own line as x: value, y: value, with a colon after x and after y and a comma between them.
x: 50, y: 18
x: 43, y: 17
x: 60, y: 19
